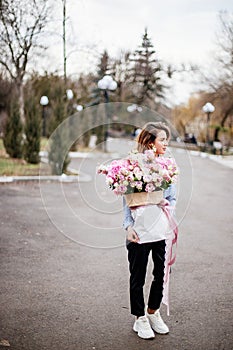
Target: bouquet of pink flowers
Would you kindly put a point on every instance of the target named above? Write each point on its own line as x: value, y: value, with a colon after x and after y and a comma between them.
x: 139, y: 172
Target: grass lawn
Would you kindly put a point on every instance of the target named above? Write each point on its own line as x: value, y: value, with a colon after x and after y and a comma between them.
x: 17, y: 167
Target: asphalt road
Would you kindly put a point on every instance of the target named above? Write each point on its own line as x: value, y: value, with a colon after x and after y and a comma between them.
x: 64, y: 274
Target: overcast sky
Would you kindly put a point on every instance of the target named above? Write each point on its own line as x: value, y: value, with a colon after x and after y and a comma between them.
x: 181, y: 31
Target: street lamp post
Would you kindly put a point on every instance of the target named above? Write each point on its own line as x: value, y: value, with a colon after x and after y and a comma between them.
x: 135, y: 109
x: 79, y: 108
x: 208, y: 108
x: 44, y: 102
x: 69, y: 94
x: 68, y: 105
x: 107, y: 83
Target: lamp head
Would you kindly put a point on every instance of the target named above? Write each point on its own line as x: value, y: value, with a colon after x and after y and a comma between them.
x: 208, y: 108
x: 44, y: 100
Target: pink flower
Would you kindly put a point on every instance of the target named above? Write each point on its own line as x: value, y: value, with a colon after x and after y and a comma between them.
x: 138, y: 185
x: 139, y: 172
x: 102, y: 169
x: 130, y: 177
x: 120, y: 189
x: 149, y: 187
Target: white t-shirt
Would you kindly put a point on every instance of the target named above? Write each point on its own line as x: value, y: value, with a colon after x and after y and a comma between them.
x: 150, y: 223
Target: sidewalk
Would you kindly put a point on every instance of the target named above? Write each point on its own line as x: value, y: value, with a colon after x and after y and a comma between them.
x: 223, y: 160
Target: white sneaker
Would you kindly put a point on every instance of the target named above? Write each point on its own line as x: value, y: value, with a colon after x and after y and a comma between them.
x: 143, y: 328
x: 157, y: 323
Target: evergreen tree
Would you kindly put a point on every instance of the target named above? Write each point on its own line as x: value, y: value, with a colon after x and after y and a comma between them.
x: 102, y: 70
x: 13, y: 133
x: 32, y: 132
x: 145, y: 74
x: 97, y: 95
x: 58, y: 153
x: 58, y: 109
x: 121, y: 74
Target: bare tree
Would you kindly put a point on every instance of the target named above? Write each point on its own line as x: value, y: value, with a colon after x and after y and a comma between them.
x: 225, y: 44
x: 220, y: 82
x: 64, y: 39
x: 21, y: 22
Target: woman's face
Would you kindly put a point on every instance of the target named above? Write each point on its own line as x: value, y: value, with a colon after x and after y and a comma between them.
x: 161, y: 142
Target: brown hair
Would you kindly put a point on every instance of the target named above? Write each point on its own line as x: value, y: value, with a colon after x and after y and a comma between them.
x: 149, y: 133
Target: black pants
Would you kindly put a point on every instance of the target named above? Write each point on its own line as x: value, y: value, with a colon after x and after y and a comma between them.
x: 138, y: 259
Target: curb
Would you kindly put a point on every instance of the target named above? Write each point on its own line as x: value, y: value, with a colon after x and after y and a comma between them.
x: 58, y: 178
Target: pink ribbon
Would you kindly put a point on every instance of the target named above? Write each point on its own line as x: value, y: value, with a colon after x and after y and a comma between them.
x: 170, y: 241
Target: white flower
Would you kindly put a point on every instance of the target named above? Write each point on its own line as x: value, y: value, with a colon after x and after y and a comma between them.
x: 125, y: 183
x: 154, y: 176
x: 147, y: 178
x: 109, y: 181
x: 124, y: 171
x: 138, y: 175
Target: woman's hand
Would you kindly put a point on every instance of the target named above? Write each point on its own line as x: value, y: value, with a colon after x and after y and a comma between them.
x: 132, y: 235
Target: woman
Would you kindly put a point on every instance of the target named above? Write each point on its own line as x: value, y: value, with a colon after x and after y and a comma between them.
x: 139, y: 244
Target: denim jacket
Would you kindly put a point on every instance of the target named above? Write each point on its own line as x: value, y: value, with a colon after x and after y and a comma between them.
x: 169, y: 194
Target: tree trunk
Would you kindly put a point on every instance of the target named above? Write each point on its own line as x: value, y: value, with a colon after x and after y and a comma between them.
x: 20, y: 95
x: 216, y: 133
x: 217, y: 129
x: 225, y: 118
